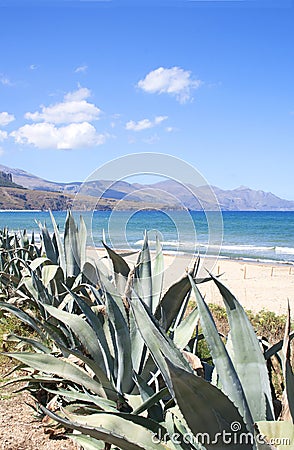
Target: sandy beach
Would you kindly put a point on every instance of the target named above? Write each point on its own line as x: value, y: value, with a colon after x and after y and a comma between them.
x: 257, y: 285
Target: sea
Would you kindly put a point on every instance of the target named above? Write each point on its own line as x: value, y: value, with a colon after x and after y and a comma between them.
x: 266, y: 236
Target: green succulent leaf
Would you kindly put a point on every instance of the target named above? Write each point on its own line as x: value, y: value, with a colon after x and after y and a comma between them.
x: 60, y: 247
x: 157, y: 275
x: 247, y: 358
x: 228, y: 377
x: 193, y: 394
x: 157, y: 341
x: 120, y: 266
x: 112, y: 429
x: 87, y: 442
x: 97, y: 326
x: 72, y: 247
x: 23, y: 316
x: 125, y: 381
x: 83, y: 331
x: 280, y: 434
x: 142, y: 276
x: 48, y: 244
x: 49, y: 364
x: 287, y: 368
x: 171, y: 302
x: 185, y: 329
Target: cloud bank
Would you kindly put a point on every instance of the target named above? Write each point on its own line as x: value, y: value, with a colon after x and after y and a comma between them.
x: 65, y: 125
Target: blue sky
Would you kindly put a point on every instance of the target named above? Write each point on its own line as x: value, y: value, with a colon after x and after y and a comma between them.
x: 83, y: 82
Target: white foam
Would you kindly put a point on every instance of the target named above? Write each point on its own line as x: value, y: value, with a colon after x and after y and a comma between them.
x: 285, y: 250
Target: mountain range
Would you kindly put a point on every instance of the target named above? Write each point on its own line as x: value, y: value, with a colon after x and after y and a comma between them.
x: 24, y: 190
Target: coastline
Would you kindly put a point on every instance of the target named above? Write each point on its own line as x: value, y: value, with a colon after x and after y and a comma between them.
x: 256, y: 285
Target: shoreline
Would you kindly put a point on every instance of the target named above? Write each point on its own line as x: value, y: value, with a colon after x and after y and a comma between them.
x: 182, y: 254
x: 256, y: 285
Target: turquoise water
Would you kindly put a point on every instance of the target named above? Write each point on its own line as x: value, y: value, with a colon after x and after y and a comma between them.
x: 252, y: 235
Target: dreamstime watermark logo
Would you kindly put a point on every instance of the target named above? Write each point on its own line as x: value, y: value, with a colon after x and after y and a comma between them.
x: 234, y: 435
x: 182, y: 188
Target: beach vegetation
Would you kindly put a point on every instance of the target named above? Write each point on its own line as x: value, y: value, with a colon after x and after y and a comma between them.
x: 116, y: 359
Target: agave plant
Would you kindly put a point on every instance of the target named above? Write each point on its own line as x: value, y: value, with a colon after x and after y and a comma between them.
x: 16, y: 250
x: 118, y: 355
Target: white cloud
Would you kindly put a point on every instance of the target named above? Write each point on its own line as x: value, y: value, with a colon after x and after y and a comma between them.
x: 1, y: 151
x: 78, y: 95
x: 174, y: 81
x: 3, y: 135
x: 6, y: 118
x: 81, y: 69
x: 169, y: 129
x: 48, y: 136
x: 74, y: 109
x: 5, y: 80
x: 144, y: 124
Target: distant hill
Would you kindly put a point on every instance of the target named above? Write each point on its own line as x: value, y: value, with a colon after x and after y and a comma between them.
x: 165, y: 195
x: 6, y: 180
x: 17, y: 198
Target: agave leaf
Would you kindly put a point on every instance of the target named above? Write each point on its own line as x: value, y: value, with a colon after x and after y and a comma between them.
x: 105, y: 419
x: 157, y: 275
x: 281, y: 434
x: 120, y: 266
x: 229, y: 379
x: 125, y: 381
x: 60, y: 367
x: 60, y: 247
x: 138, y: 347
x: 142, y: 277
x: 87, y: 442
x: 103, y: 403
x: 247, y: 357
x: 71, y: 247
x: 57, y: 334
x: 23, y: 316
x: 83, y: 331
x: 33, y: 379
x: 82, y: 242
x: 287, y: 369
x: 179, y: 434
x: 171, y: 302
x: 40, y: 261
x: 149, y: 401
x: 50, y: 273
x: 185, y: 329
x: 214, y: 413
x: 289, y: 383
x: 48, y: 244
x: 274, y: 349
x: 90, y: 273
x: 114, y: 430
x: 35, y: 344
x: 105, y: 385
x: 156, y: 340
x: 97, y: 326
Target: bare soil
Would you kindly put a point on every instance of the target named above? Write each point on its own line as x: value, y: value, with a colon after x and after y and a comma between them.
x: 21, y: 430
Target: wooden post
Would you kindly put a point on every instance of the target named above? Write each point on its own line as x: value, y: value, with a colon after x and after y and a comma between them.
x: 272, y: 271
x: 245, y: 272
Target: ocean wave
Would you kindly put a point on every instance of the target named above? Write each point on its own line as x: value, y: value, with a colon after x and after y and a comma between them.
x: 241, y: 247
x: 285, y: 250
